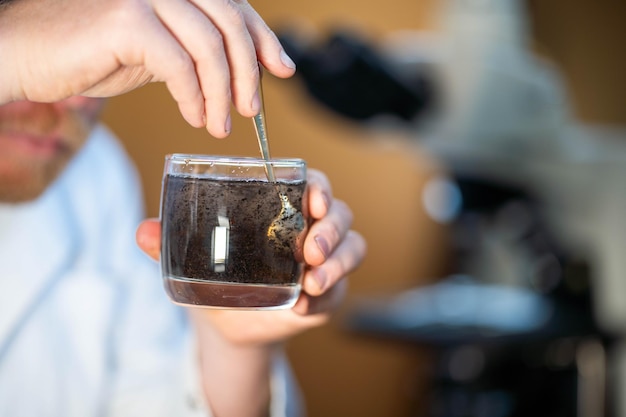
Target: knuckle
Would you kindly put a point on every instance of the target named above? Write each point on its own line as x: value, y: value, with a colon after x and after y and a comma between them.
x: 318, y: 178
x: 182, y: 63
x: 349, y: 261
x: 345, y: 211
x: 334, y: 232
x: 215, y: 43
x: 234, y: 13
x: 248, y: 79
x: 348, y: 258
x: 359, y: 244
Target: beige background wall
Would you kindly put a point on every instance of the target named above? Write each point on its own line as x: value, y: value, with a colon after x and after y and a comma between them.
x: 586, y: 40
x: 376, y: 173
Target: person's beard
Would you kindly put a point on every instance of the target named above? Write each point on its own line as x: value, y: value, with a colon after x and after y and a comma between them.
x: 24, y: 177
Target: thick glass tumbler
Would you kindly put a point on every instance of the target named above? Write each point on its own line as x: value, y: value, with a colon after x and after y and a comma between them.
x: 230, y: 237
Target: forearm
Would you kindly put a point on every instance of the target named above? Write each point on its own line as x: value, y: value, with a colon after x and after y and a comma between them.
x: 235, y: 378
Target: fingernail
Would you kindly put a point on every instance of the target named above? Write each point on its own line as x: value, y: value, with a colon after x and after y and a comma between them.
x: 286, y: 60
x: 322, y: 245
x: 256, y: 103
x: 320, y: 278
x: 228, y: 125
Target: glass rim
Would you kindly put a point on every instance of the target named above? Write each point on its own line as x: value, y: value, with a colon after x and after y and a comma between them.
x: 200, y: 159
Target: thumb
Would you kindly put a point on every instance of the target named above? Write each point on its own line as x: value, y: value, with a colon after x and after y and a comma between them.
x: 148, y: 237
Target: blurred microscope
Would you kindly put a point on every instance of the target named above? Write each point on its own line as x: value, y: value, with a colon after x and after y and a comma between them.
x: 532, y: 319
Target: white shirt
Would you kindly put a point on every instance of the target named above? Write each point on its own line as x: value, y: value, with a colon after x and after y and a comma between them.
x: 85, y: 326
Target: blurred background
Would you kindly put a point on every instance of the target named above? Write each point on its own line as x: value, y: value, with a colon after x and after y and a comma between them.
x: 482, y: 147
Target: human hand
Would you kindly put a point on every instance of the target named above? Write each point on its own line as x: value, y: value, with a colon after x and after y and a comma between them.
x: 205, y: 51
x: 331, y: 251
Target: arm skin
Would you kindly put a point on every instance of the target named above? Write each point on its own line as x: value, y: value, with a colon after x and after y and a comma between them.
x: 205, y: 51
x: 236, y: 347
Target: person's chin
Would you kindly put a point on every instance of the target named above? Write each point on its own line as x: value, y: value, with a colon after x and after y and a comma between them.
x: 29, y: 183
x: 24, y: 176
x: 27, y: 188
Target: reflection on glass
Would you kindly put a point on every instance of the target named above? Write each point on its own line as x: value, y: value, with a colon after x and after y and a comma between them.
x: 220, y: 244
